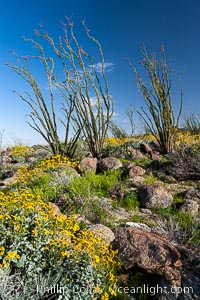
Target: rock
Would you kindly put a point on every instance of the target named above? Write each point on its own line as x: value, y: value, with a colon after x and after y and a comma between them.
x: 82, y: 219
x: 136, y: 181
x: 166, y: 178
x: 116, y: 191
x: 41, y: 153
x: 109, y: 163
x: 7, y: 174
x: 139, y: 225
x: 191, y: 193
x: 31, y: 159
x: 61, y: 201
x: 88, y: 164
x: 134, y: 154
x: 131, y: 170
x: 8, y: 181
x: 189, y: 206
x: 149, y: 252
x: 104, y: 232
x: 155, y: 146
x: 146, y: 211
x: 145, y: 148
x: 154, y: 196
x: 55, y: 209
x: 6, y: 160
x: 156, y: 156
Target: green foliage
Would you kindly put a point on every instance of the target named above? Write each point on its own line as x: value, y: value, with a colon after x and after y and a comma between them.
x: 150, y: 179
x: 52, y: 247
x: 86, y: 102
x: 192, y: 123
x: 189, y: 231
x: 159, y: 118
x: 91, y: 184
x: 129, y: 201
x: 117, y: 151
x: 15, y: 286
x: 44, y: 187
x: 20, y: 153
x: 117, y: 131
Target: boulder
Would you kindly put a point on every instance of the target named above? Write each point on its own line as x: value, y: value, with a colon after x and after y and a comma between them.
x: 145, y: 148
x: 136, y: 181
x: 88, y: 164
x: 6, y: 160
x: 55, y: 209
x: 131, y: 170
x: 116, y: 191
x: 134, y: 154
x: 191, y: 193
x: 139, y: 226
x: 189, y: 206
x: 109, y: 163
x: 155, y: 146
x: 7, y: 174
x: 154, y: 196
x: 6, y: 182
x: 149, y: 252
x: 103, y: 232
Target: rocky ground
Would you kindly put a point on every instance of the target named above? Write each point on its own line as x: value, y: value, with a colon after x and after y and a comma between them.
x: 158, y: 237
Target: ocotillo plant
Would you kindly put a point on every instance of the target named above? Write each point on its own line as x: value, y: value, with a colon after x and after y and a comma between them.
x: 192, y: 123
x: 159, y: 118
x: 86, y: 101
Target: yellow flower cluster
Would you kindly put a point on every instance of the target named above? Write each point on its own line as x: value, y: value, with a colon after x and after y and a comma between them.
x: 27, y: 215
x: 182, y: 137
x: 26, y: 175
x: 115, y: 141
x: 188, y: 138
x: 12, y: 255
x: 20, y: 151
x: 57, y: 161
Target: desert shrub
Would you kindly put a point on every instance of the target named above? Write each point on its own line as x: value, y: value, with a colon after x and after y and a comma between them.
x: 20, y: 153
x: 86, y: 103
x: 47, y: 243
x: 117, y: 131
x: 26, y: 176
x: 159, y: 118
x: 181, y: 226
x: 187, y: 138
x: 113, y: 150
x: 129, y: 201
x: 14, y: 285
x: 192, y: 123
x: 92, y: 184
x: 185, y: 162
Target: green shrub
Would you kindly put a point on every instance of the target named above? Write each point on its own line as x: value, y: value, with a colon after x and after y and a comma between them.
x: 47, y: 244
x: 129, y: 201
x: 91, y: 184
x: 188, y: 230
x: 192, y: 123
x: 159, y: 117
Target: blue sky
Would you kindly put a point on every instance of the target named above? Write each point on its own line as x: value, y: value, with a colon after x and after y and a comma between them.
x: 121, y: 27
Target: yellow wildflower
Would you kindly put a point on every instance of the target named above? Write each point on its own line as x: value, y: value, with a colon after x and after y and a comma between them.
x: 35, y: 232
x: 2, y: 250
x: 105, y: 296
x: 97, y: 289
x: 11, y: 255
